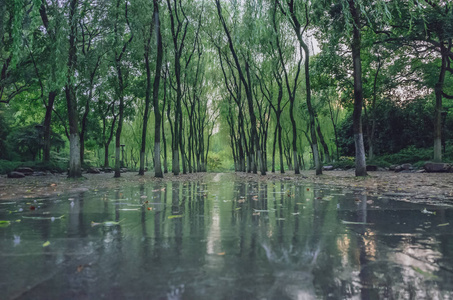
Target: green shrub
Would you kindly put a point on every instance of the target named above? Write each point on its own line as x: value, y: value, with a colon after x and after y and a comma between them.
x: 7, y: 166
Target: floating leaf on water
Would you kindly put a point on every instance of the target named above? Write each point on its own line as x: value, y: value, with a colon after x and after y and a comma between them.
x: 355, y: 223
x: 5, y: 223
x: 425, y: 211
x: 106, y: 223
x: 263, y: 210
x: 111, y: 223
x: 444, y: 224
x: 221, y: 253
x: 43, y: 218
x: 237, y: 208
x: 175, y: 216
x: 46, y: 244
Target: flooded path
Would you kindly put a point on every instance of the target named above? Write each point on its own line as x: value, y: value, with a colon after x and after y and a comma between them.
x: 220, y: 238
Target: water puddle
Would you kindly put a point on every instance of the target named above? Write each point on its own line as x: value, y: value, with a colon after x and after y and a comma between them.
x: 225, y: 239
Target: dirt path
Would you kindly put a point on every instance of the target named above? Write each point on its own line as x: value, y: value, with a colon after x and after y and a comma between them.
x: 53, y: 185
x: 423, y: 186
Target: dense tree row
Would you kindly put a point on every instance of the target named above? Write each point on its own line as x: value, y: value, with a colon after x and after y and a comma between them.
x: 275, y: 76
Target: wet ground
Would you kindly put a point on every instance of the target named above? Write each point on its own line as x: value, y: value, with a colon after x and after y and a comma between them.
x: 223, y: 237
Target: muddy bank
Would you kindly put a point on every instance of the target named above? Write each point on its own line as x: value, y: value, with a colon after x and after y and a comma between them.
x: 414, y: 187
x: 411, y: 186
x: 57, y: 184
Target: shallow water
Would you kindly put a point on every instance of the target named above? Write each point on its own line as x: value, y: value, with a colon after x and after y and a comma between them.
x: 224, y: 239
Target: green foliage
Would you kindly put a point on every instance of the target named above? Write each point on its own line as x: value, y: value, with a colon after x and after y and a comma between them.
x: 26, y: 142
x: 345, y: 163
x: 398, y: 126
x: 410, y: 154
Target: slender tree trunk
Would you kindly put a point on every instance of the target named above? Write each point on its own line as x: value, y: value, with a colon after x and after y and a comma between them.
x: 120, y: 125
x: 106, y: 155
x: 438, y: 108
x: 360, y: 161
x: 294, y: 134
x: 274, y: 144
x: 163, y: 127
x: 75, y: 168
x: 118, y: 58
x: 280, y: 148
x: 141, y: 170
x: 323, y: 142
x: 47, y: 129
x: 157, y: 76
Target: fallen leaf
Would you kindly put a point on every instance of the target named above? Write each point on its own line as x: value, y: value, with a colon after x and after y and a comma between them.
x: 175, y: 216
x: 43, y: 218
x: 5, y: 223
x: 221, y: 253
x: 79, y: 268
x: 107, y: 223
x: 444, y: 224
x: 46, y: 244
x: 355, y: 223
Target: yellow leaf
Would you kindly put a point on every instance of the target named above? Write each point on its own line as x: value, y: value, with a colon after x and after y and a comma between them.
x: 175, y: 216
x: 46, y: 244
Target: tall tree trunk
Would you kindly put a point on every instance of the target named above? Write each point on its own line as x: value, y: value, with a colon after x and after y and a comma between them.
x: 294, y: 134
x: 274, y: 144
x: 47, y: 129
x: 118, y: 58
x: 157, y: 76
x: 438, y: 108
x: 323, y: 142
x: 141, y: 170
x: 360, y: 161
x: 118, y: 160
x: 163, y: 126
x: 75, y: 168
x: 280, y: 148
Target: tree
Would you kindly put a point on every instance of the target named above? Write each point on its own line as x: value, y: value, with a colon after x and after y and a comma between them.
x: 75, y: 167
